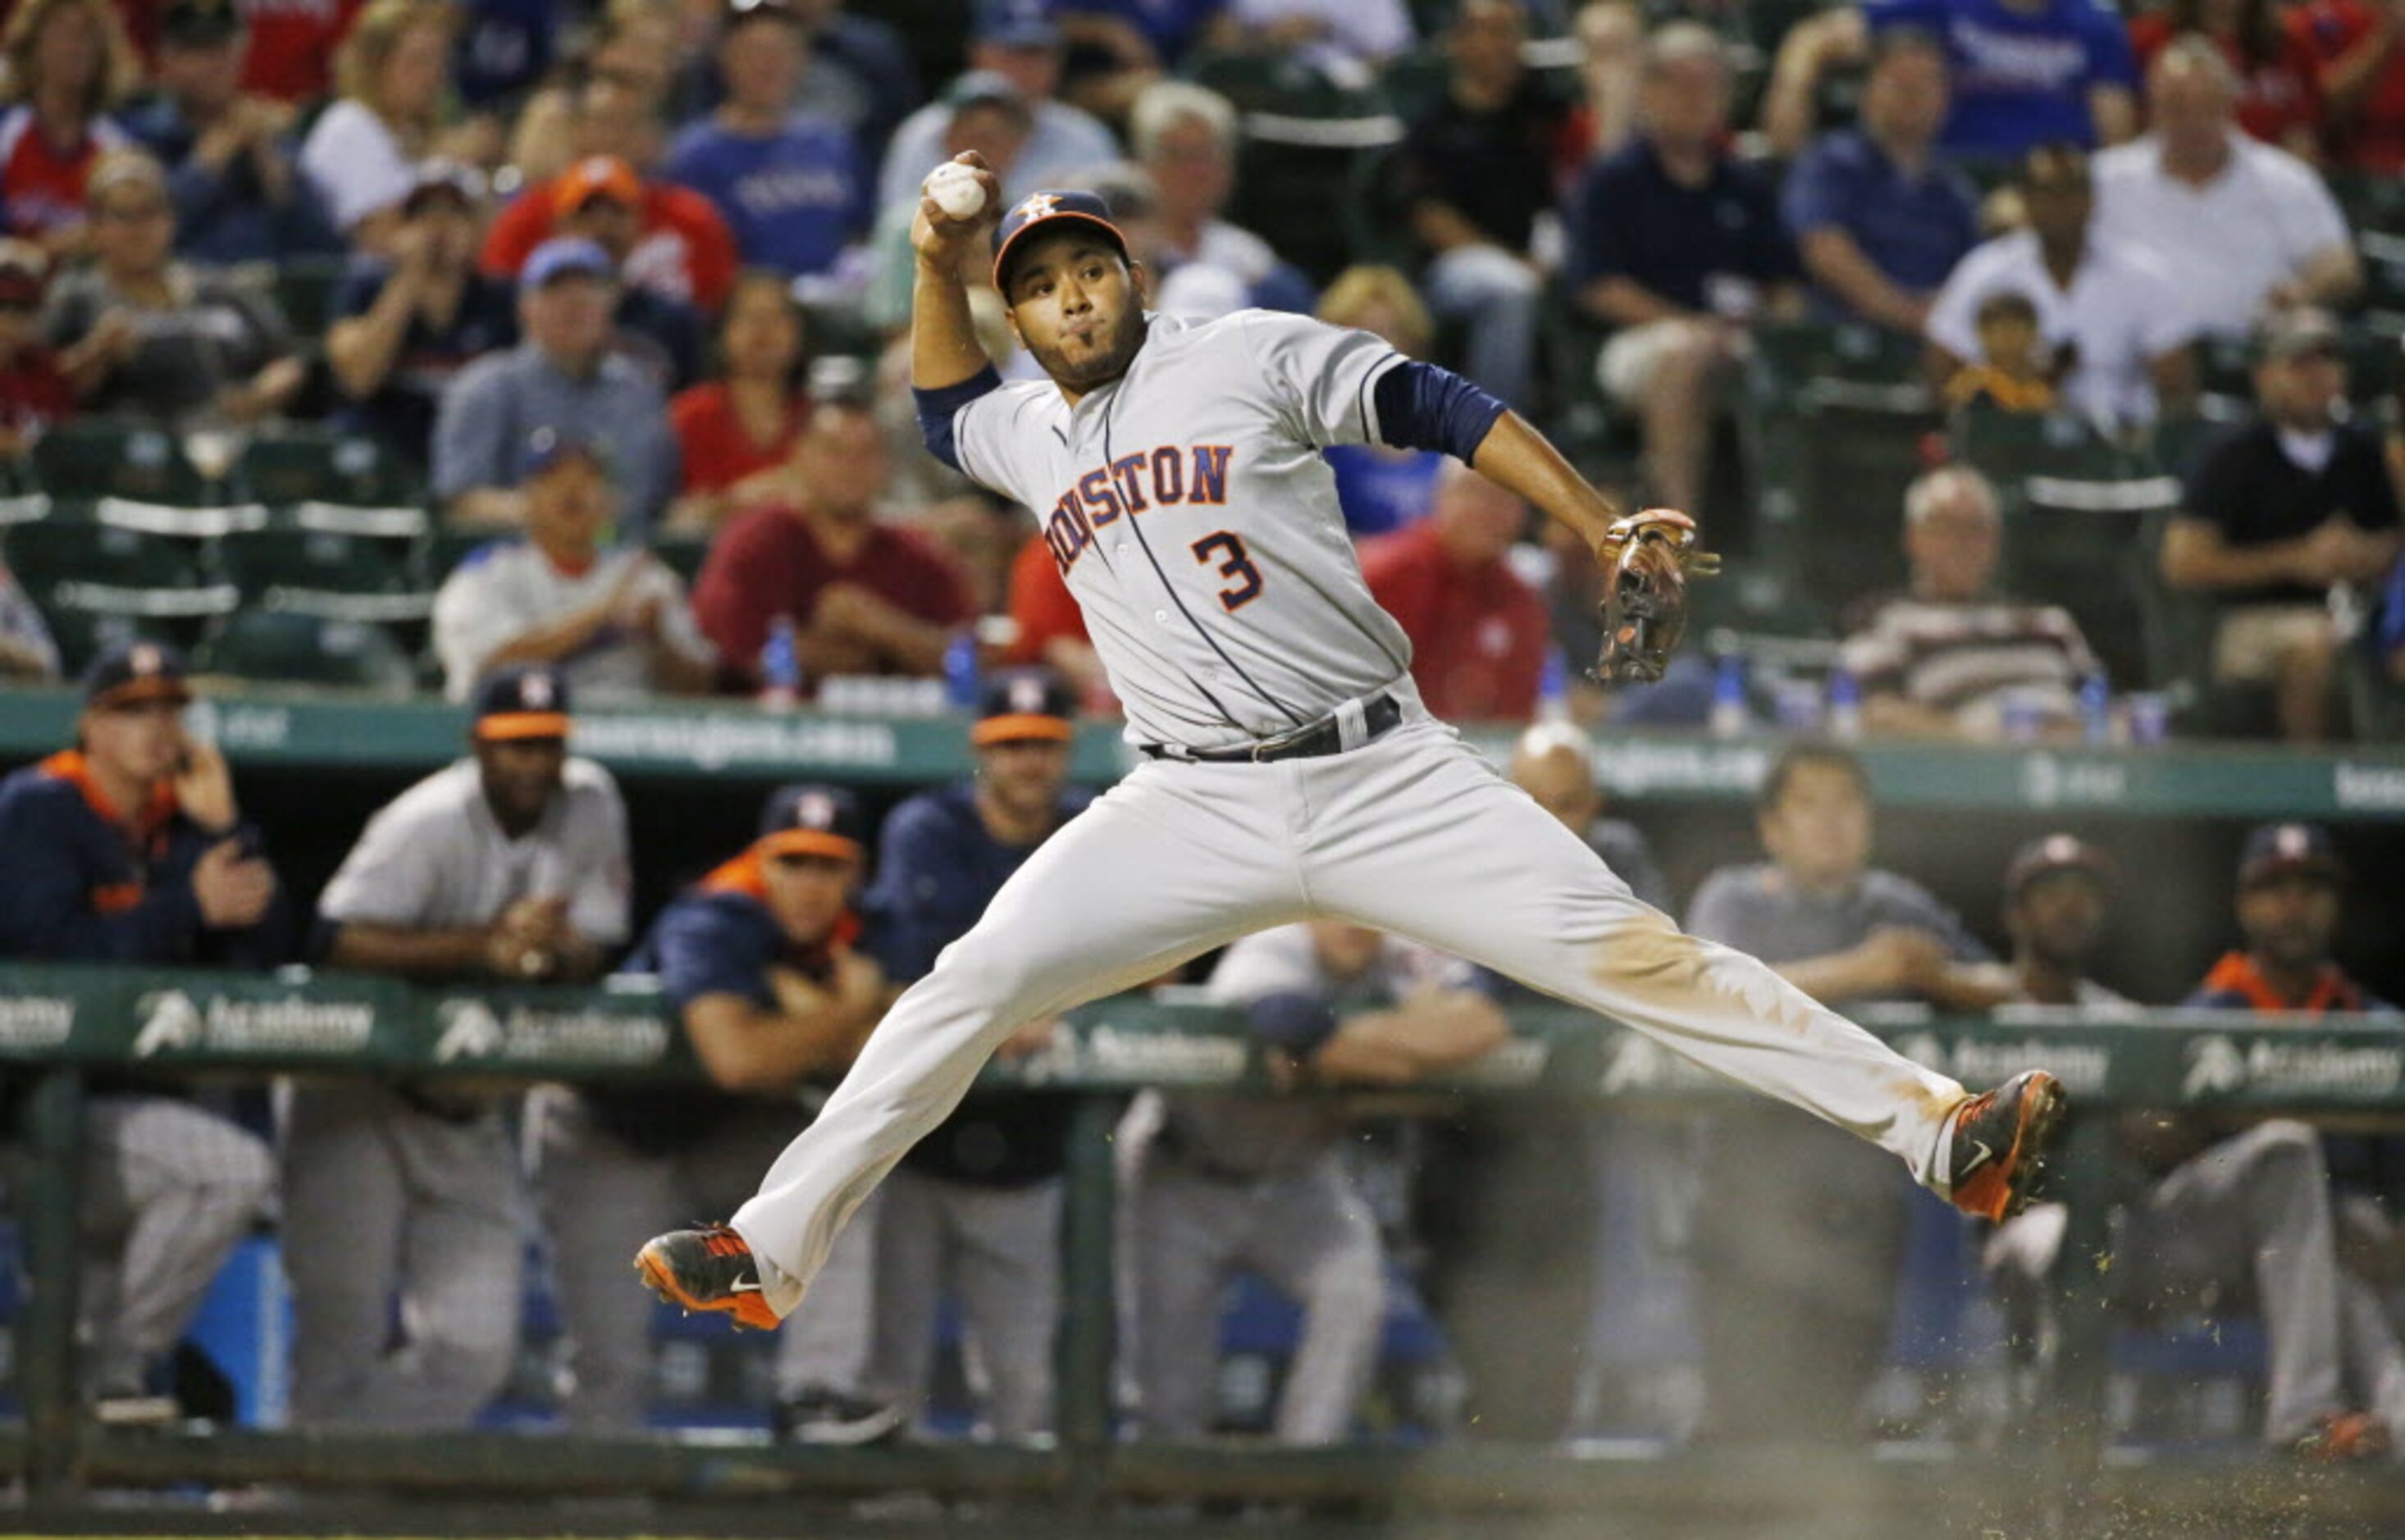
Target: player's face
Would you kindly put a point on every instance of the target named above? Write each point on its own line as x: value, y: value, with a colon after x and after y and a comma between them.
x: 1562, y: 786
x: 2060, y: 916
x: 568, y: 505
x: 2290, y: 920
x: 808, y: 894
x: 1819, y: 830
x: 1025, y: 775
x: 141, y: 741
x: 520, y: 778
x: 1345, y: 950
x: 1078, y: 307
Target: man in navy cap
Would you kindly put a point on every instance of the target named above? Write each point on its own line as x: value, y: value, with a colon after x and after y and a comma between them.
x: 2289, y: 878
x: 129, y: 849
x: 562, y: 376
x: 974, y: 1209
x: 1020, y: 42
x: 758, y: 962
x: 613, y: 618
x: 510, y: 864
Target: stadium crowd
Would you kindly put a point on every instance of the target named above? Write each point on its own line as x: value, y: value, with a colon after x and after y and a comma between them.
x: 550, y: 354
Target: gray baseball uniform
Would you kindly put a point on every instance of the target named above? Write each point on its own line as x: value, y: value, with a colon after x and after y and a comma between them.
x: 386, y: 1187
x: 1228, y: 1183
x: 1190, y: 512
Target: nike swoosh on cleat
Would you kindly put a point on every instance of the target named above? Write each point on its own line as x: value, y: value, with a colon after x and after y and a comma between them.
x: 1985, y: 1154
x: 743, y: 1288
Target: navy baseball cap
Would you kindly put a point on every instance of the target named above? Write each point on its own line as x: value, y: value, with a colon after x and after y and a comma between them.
x: 546, y: 446
x: 1019, y: 704
x: 199, y: 23
x: 1044, y: 212
x: 564, y: 256
x: 1292, y: 1021
x: 132, y: 672
x: 2044, y: 858
x: 526, y: 702
x: 807, y: 819
x: 1017, y: 23
x: 2277, y: 849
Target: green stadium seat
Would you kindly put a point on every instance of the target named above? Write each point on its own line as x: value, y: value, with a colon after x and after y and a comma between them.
x: 97, y: 458
x: 682, y: 553
x: 2179, y: 631
x: 156, y: 575
x: 2080, y: 542
x: 297, y: 465
x: 1302, y: 132
x: 327, y: 572
x: 304, y: 291
x: 2371, y: 201
x: 286, y: 647
x: 83, y: 635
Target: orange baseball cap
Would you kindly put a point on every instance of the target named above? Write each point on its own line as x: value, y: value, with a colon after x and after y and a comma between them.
x: 596, y: 176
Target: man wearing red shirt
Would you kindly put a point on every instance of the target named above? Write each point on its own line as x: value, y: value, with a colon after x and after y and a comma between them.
x: 2359, y: 70
x: 865, y: 597
x: 1478, y: 633
x: 683, y: 250
x: 292, y: 45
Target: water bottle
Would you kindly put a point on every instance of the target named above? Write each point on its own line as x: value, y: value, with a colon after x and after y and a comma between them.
x: 961, y: 671
x: 2096, y: 708
x: 781, y: 668
x: 1729, y: 717
x: 1553, y: 687
x: 1845, y: 705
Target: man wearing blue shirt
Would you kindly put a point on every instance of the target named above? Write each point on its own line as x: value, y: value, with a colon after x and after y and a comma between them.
x: 975, y: 1207
x: 793, y: 187
x: 757, y: 962
x: 2026, y: 72
x: 565, y: 377
x: 1879, y: 216
x: 1678, y: 246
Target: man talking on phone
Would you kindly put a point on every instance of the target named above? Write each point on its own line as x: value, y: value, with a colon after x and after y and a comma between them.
x: 128, y: 849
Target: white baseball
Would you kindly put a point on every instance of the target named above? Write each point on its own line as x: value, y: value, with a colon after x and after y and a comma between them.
x: 956, y: 190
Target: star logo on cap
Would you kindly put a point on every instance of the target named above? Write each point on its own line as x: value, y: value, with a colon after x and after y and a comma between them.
x: 1038, y: 205
x: 815, y: 811
x: 2292, y: 840
x: 1027, y: 694
x: 537, y: 691
x: 145, y: 659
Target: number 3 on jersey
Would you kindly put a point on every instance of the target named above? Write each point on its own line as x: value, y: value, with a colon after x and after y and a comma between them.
x: 1245, y: 579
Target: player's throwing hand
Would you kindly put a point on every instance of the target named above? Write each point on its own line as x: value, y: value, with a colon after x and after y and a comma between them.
x: 941, y: 238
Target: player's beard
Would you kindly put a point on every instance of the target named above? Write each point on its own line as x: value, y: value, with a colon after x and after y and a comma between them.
x: 1098, y: 369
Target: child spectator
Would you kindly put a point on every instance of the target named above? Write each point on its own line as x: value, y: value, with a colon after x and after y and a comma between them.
x: 2014, y: 372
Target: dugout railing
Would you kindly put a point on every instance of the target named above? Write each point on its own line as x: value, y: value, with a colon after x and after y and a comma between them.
x: 61, y: 1024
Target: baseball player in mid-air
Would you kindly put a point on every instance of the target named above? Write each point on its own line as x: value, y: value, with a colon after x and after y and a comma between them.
x: 1289, y: 769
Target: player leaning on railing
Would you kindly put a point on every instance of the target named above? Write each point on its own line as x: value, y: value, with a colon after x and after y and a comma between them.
x: 1290, y: 769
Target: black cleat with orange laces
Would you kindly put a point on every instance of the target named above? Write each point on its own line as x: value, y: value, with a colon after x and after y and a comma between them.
x: 710, y: 1268
x: 2001, y: 1139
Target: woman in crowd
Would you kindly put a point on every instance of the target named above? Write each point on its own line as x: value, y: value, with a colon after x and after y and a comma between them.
x: 1381, y: 488
x: 392, y: 72
x: 734, y: 428
x: 69, y: 63
x: 141, y: 333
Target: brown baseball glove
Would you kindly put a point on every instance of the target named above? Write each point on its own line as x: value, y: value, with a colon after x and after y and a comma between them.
x: 1647, y: 557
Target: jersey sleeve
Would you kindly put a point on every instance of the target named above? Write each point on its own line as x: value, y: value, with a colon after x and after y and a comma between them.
x: 984, y: 433
x: 1271, y: 962
x: 389, y: 877
x: 702, y: 949
x: 601, y: 902
x: 1321, y: 377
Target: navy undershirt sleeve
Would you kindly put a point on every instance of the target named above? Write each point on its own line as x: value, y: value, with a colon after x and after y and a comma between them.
x: 937, y: 407
x: 1421, y: 406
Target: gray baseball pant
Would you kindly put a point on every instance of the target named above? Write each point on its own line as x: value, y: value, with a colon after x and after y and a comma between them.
x: 1309, y: 1233
x: 601, y: 1199
x: 381, y: 1194
x: 998, y: 1250
x: 1415, y: 834
x: 169, y: 1190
